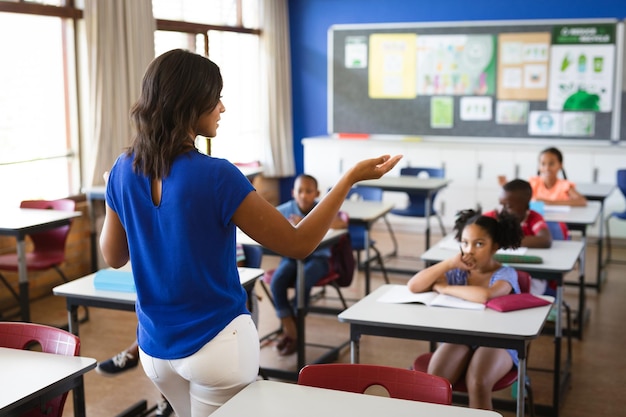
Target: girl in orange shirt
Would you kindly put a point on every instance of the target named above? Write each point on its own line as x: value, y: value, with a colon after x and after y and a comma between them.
x: 550, y: 189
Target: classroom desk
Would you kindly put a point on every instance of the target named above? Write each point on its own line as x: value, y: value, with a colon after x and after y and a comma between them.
x: 512, y: 330
x: 578, y: 218
x: 597, y: 192
x: 366, y: 213
x: 411, y: 185
x: 98, y: 192
x: 281, y: 399
x: 331, y: 237
x: 557, y: 261
x: 82, y: 292
x: 30, y: 378
x: 20, y: 222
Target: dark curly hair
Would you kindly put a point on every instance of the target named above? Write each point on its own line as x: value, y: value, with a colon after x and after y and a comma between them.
x: 505, y: 230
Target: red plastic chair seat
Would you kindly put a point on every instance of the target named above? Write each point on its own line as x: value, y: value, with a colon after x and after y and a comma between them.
x: 36, y: 261
x: 422, y: 361
x: 400, y: 383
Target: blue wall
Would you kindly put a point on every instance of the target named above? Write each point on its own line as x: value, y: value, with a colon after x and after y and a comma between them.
x: 309, y: 21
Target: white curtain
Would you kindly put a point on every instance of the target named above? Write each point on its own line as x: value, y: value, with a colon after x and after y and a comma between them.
x: 120, y: 45
x: 276, y: 78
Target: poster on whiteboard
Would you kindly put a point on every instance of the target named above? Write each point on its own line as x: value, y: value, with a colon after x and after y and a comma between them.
x: 582, y: 61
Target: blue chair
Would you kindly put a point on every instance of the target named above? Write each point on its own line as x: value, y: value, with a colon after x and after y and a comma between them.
x: 417, y: 202
x: 357, y: 232
x: 620, y: 215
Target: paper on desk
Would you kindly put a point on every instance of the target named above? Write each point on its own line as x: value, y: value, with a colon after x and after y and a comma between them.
x: 453, y: 244
x: 401, y: 294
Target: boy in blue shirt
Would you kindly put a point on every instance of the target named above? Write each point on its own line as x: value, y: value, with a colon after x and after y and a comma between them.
x: 305, y: 193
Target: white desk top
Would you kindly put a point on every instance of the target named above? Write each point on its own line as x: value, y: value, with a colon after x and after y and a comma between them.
x: 595, y: 191
x: 366, y: 211
x: 84, y: 287
x: 520, y: 324
x: 281, y: 399
x: 406, y: 183
x: 560, y: 258
x: 27, y: 374
x: 586, y: 215
x: 330, y: 236
x: 21, y: 219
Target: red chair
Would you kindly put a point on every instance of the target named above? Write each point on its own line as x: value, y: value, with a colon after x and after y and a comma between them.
x: 422, y: 361
x: 400, y: 383
x: 19, y: 335
x: 49, y: 246
x: 340, y: 274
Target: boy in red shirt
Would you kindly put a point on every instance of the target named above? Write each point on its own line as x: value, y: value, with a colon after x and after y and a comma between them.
x: 515, y: 199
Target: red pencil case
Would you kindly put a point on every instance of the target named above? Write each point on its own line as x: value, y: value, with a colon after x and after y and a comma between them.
x: 512, y: 302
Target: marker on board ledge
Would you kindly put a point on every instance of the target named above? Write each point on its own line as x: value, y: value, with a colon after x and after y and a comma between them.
x: 346, y: 135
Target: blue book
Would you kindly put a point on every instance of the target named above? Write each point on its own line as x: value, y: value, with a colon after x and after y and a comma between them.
x: 113, y: 280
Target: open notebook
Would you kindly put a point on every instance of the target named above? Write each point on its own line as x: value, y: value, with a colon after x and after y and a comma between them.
x: 402, y: 294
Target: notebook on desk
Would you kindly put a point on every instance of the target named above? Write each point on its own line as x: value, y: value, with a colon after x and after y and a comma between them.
x: 114, y: 280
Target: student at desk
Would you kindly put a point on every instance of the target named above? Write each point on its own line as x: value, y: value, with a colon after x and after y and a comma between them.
x: 473, y: 274
x: 173, y: 212
x: 515, y: 200
x: 305, y: 193
x: 547, y: 187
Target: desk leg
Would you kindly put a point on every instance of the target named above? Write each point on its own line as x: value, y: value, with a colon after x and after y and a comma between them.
x: 581, y: 293
x: 354, y: 350
x: 556, y: 386
x: 599, y: 267
x: 92, y: 237
x: 78, y: 394
x: 366, y: 245
x: 300, y: 319
x: 22, y: 271
x: 427, y: 209
x: 72, y: 318
x: 521, y: 385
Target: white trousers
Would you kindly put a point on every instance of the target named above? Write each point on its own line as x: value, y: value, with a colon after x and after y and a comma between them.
x: 197, y: 385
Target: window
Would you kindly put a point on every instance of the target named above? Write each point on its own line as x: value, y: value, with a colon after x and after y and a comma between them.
x: 38, y: 120
x: 39, y: 85
x: 227, y: 32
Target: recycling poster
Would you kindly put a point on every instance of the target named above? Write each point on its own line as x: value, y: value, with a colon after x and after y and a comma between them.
x: 581, y: 68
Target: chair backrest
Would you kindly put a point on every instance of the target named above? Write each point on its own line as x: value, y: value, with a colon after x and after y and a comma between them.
x: 523, y: 279
x: 19, y: 335
x: 253, y: 254
x: 419, y: 199
x: 400, y: 383
x: 558, y: 230
x: 621, y: 180
x: 419, y: 171
x: 365, y: 193
x: 342, y: 257
x: 50, y: 240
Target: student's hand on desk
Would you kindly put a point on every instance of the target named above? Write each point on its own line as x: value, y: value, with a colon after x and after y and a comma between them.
x: 371, y: 169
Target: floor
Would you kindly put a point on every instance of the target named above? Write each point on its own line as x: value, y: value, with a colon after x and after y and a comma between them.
x: 599, y: 364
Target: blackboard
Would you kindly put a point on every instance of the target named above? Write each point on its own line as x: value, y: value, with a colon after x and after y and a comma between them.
x: 374, y: 89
